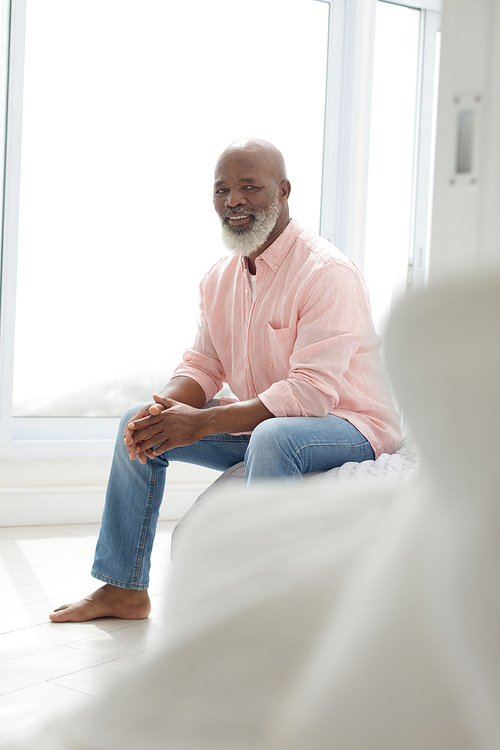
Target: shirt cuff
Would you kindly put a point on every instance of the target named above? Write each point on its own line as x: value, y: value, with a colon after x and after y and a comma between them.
x: 280, y: 401
x: 204, y: 381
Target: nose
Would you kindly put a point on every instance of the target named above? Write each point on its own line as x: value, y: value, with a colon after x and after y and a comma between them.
x: 234, y: 197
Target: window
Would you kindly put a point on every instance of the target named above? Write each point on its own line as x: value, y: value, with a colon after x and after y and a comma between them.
x: 116, y: 225
x: 402, y: 128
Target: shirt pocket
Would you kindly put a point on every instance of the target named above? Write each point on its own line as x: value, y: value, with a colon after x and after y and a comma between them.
x: 279, y: 348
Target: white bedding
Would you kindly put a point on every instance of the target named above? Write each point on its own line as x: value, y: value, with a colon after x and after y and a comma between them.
x: 399, y: 465
x: 402, y: 464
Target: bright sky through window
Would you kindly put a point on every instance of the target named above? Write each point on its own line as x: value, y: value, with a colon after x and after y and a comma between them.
x: 392, y: 154
x: 127, y: 104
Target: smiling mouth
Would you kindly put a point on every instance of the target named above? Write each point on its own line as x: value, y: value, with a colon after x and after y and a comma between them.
x: 237, y: 218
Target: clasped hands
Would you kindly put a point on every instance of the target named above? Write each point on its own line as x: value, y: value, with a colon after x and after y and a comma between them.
x: 161, y: 426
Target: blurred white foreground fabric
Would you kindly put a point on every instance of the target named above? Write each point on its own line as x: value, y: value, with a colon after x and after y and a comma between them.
x: 343, y: 616
x: 400, y: 465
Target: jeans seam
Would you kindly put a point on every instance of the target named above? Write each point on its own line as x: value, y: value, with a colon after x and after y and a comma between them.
x: 139, y: 557
x: 333, y: 445
x: 227, y: 437
x: 329, y: 445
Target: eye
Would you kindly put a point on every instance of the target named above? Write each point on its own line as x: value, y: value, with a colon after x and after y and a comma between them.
x: 250, y: 187
x: 220, y: 191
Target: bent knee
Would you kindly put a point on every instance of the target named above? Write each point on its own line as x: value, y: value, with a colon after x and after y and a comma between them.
x: 269, y: 434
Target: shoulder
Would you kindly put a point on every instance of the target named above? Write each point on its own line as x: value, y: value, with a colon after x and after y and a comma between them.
x: 319, y: 250
x: 323, y: 261
x: 224, y: 268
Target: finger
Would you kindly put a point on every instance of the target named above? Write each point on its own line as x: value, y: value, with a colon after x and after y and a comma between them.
x: 151, y: 443
x: 143, y: 412
x: 156, y: 409
x: 167, y: 403
x: 151, y: 435
x: 158, y: 406
x: 129, y: 440
x: 136, y: 424
x: 159, y: 449
x: 134, y: 429
x: 136, y: 453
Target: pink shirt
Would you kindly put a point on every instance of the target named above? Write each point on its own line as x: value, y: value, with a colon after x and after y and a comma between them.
x: 305, y: 345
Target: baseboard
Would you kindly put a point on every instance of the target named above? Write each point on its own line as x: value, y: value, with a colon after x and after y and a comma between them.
x: 47, y: 506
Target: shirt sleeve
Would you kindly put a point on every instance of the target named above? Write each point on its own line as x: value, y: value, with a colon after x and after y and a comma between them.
x: 334, y: 324
x: 200, y: 363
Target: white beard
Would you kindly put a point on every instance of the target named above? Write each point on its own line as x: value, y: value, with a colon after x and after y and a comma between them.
x: 246, y: 240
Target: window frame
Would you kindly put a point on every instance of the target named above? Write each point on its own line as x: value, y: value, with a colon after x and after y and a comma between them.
x: 343, y: 204
x: 347, y: 128
x: 419, y: 253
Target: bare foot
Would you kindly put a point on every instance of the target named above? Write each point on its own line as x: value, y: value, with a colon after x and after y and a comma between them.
x: 108, y: 601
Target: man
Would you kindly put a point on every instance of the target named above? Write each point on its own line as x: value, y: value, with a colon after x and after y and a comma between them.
x: 286, y: 322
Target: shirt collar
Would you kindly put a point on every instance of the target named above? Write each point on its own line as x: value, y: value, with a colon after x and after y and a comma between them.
x: 275, y: 254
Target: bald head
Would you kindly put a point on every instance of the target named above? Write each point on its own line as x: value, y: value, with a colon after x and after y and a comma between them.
x: 262, y: 152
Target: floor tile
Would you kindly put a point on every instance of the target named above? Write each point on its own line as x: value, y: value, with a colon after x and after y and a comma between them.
x: 41, y: 666
x: 47, y: 532
x: 35, y: 704
x: 49, y: 668
x: 31, y: 553
x: 124, y: 642
x: 95, y: 679
x: 60, y: 591
x: 31, y: 640
x: 42, y: 573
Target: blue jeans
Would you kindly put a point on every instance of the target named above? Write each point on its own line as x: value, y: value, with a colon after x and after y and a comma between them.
x: 279, y: 448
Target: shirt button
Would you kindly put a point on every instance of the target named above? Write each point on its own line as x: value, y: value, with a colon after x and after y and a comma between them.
x: 247, y: 367
x: 246, y: 291
x: 275, y: 268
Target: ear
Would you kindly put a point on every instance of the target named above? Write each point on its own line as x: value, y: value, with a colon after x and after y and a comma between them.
x: 284, y: 191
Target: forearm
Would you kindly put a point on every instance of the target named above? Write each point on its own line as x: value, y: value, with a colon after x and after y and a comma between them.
x: 185, y: 390
x: 242, y: 416
x: 173, y: 424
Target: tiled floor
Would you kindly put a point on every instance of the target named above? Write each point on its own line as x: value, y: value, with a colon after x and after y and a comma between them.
x: 48, y: 668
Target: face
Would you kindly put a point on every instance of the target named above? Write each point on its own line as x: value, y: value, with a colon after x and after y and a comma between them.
x: 248, y: 200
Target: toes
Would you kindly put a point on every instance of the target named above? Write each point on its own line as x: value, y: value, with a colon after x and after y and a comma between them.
x: 55, y: 617
x: 60, y: 613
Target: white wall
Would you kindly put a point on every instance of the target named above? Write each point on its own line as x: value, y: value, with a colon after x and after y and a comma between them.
x: 466, y: 213
x: 38, y: 490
